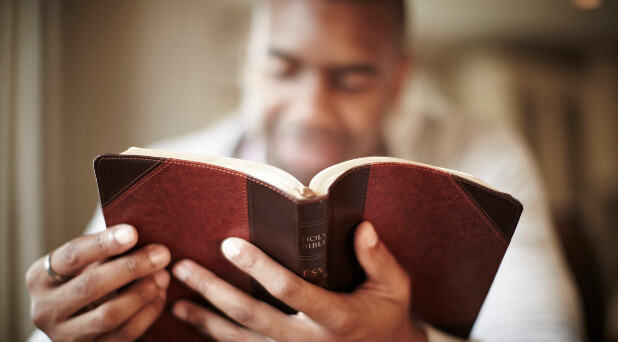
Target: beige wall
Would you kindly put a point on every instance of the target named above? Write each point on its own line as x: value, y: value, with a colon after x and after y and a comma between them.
x: 21, y: 222
x: 81, y: 78
x: 134, y: 72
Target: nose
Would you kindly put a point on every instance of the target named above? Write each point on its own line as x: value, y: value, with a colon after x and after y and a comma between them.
x: 314, y: 100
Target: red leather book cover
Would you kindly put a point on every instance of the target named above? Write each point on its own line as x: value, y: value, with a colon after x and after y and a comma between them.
x: 449, y: 232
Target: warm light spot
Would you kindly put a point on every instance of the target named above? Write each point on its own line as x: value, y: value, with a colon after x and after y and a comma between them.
x: 587, y: 4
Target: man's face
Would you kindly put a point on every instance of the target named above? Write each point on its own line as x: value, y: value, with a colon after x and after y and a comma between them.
x: 320, y: 76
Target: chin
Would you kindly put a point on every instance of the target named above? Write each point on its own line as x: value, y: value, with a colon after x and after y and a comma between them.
x: 303, y: 173
x: 300, y: 169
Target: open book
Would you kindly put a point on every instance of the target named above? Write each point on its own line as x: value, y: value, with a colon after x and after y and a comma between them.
x: 449, y: 230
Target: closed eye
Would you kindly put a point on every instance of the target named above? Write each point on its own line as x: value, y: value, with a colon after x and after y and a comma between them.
x: 281, y: 65
x: 354, y: 79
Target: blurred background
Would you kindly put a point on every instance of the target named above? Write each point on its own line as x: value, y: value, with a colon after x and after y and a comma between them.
x: 80, y: 78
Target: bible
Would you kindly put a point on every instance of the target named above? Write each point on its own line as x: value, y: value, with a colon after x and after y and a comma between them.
x: 447, y: 229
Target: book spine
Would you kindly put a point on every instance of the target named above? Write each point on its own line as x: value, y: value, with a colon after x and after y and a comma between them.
x: 312, y: 239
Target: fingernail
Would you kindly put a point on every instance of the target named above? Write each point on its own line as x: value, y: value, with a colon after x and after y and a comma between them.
x: 124, y: 235
x: 181, y: 271
x: 371, y: 238
x: 230, y: 247
x: 159, y: 255
x: 162, y: 279
x: 180, y: 311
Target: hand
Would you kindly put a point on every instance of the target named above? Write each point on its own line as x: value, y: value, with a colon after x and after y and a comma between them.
x: 87, y: 306
x: 377, y: 310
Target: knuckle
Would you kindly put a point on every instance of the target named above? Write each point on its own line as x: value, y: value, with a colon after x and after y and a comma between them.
x: 43, y: 314
x: 287, y: 288
x: 106, y: 318
x: 86, y: 285
x: 203, y: 286
x: 132, y: 264
x: 149, y: 290
x: 100, y: 242
x: 382, y: 257
x: 128, y: 333
x: 131, y: 332
x: 247, y: 260
x: 230, y: 335
x: 194, y: 318
x: 199, y: 321
x: 39, y: 314
x: 405, y: 290
x: 242, y: 314
x: 344, y: 325
x: 69, y: 254
x: 31, y: 278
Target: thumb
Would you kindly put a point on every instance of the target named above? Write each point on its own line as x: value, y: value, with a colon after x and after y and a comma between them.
x: 382, y: 270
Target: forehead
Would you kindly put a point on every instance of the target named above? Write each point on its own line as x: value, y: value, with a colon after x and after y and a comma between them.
x: 323, y: 31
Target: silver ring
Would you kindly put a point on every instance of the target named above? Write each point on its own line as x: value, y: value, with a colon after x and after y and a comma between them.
x: 51, y: 272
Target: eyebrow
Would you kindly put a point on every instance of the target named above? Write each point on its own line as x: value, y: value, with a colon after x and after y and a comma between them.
x: 368, y: 69
x: 357, y: 68
x: 272, y: 51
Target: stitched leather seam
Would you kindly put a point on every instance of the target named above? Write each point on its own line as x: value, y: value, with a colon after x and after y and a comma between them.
x: 112, y: 198
x: 410, y: 166
x: 479, y: 211
x: 252, y: 179
x: 508, y: 198
x: 343, y: 175
x: 247, y: 214
x: 250, y: 211
x: 136, y: 185
x: 368, y: 189
x: 165, y: 164
x: 442, y: 173
x: 476, y: 203
x: 364, y: 198
x: 347, y: 173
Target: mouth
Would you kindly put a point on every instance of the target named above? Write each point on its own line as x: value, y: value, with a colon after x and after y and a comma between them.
x: 307, y: 150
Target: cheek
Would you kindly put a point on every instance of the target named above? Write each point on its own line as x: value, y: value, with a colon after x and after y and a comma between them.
x: 262, y: 104
x: 274, y: 103
x: 362, y: 115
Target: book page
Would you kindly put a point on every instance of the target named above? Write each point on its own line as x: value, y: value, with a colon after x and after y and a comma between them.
x: 323, y: 180
x: 284, y: 181
x: 266, y: 173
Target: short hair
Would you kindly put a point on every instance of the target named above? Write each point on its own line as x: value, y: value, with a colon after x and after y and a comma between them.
x: 396, y: 7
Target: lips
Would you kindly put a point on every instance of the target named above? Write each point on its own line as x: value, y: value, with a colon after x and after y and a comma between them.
x: 305, y: 150
x: 308, y: 153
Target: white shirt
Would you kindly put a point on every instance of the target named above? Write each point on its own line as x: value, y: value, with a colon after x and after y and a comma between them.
x: 533, y: 297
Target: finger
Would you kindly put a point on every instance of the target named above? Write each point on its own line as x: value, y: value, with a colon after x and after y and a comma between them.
x: 137, y: 325
x: 213, y: 325
x: 111, y: 314
x: 383, y: 272
x: 237, y: 305
x: 316, y: 302
x: 78, y: 253
x: 107, y: 277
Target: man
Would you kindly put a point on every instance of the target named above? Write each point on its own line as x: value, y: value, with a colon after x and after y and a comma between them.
x: 320, y: 78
